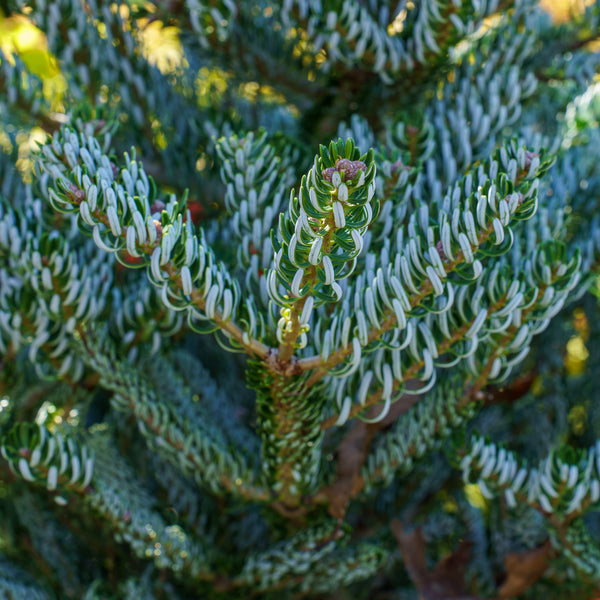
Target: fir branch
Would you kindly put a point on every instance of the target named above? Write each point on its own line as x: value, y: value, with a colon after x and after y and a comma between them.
x: 157, y: 241
x: 257, y: 180
x: 408, y: 376
x: 405, y: 297
x: 313, y: 561
x: 288, y: 420
x: 563, y: 487
x: 15, y: 583
x: 415, y: 434
x: 124, y: 505
x: 36, y: 455
x: 460, y: 407
x: 580, y: 549
x: 194, y: 450
x: 457, y: 248
x: 320, y: 238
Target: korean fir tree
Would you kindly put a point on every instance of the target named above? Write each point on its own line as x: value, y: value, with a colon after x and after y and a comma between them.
x: 305, y: 306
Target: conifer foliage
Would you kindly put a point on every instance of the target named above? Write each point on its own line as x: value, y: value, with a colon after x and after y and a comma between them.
x: 302, y: 305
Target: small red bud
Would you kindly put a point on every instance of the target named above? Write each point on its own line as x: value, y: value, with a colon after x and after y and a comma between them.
x: 98, y: 124
x: 197, y: 211
x: 25, y: 453
x: 440, y: 248
x: 529, y: 156
x: 131, y: 260
x: 343, y: 164
x: 350, y: 169
x: 157, y: 206
x: 397, y: 166
x: 76, y: 194
x: 327, y: 173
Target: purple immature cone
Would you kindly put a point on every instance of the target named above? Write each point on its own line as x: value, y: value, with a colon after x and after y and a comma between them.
x: 348, y: 169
